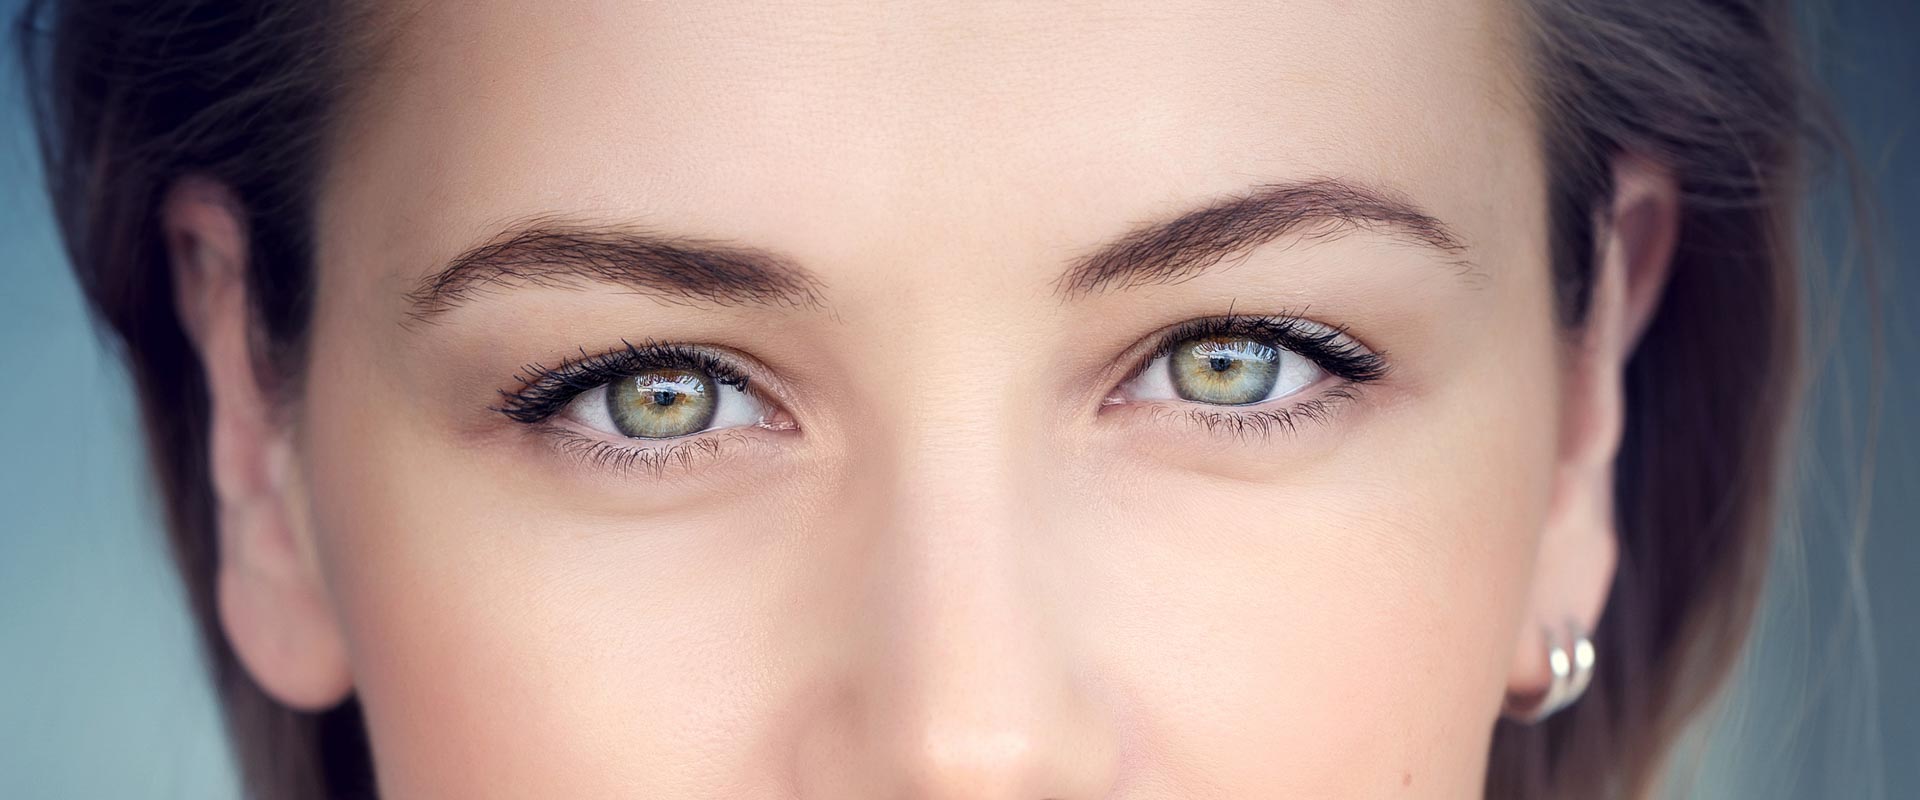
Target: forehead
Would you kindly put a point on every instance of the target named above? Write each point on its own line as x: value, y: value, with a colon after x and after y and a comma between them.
x: 824, y: 127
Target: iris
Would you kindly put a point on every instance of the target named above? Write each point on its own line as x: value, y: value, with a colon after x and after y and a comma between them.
x: 1224, y: 370
x: 662, y: 403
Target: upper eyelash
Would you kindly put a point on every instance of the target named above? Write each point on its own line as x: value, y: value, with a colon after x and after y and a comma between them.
x: 546, y: 391
x: 1327, y: 346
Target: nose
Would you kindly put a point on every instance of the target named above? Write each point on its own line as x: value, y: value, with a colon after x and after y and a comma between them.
x: 965, y: 681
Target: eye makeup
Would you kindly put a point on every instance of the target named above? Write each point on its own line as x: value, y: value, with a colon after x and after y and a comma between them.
x: 643, y: 407
x: 1249, y: 375
x: 1331, y: 348
x: 656, y: 405
x: 546, y: 391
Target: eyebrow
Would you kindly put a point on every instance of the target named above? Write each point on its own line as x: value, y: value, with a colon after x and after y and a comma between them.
x: 1176, y: 250
x: 552, y: 252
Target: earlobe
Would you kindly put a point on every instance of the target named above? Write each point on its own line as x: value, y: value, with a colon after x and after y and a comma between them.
x: 274, y: 609
x: 1579, y: 545
x: 272, y: 601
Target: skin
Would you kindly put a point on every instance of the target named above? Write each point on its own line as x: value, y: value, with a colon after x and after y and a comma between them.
x: 960, y: 573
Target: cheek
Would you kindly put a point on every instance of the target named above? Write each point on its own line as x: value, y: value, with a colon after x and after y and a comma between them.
x: 568, y: 657
x: 1349, y: 626
x: 506, y: 642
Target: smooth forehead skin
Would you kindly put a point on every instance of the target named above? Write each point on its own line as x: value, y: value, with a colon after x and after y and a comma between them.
x: 958, y: 577
x: 806, y: 126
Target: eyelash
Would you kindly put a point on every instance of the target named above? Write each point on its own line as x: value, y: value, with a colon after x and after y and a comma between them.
x: 652, y: 460
x: 1329, y: 347
x: 547, y: 391
x: 1261, y: 423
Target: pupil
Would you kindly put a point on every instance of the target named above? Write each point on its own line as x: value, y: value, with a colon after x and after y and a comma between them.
x: 665, y: 397
x: 1220, y: 363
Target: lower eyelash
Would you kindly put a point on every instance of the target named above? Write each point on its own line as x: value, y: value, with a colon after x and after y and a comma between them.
x: 1260, y: 423
x: 650, y: 461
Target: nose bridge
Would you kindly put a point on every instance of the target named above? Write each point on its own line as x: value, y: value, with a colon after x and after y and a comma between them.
x: 956, y: 454
x: 973, y: 672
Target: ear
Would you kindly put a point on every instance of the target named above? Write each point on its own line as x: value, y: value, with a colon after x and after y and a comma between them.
x: 1634, y: 243
x: 272, y: 602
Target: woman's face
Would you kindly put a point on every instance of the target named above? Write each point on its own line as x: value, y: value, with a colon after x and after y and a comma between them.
x: 1024, y: 401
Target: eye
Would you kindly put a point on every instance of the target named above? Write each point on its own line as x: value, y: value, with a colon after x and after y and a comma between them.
x: 1224, y: 371
x: 1243, y: 361
x: 651, y: 391
x: 666, y: 404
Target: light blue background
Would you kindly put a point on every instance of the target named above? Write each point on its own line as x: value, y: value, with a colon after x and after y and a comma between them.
x: 102, y: 693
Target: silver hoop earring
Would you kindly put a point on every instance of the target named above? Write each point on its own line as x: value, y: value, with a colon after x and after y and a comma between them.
x: 1570, y: 659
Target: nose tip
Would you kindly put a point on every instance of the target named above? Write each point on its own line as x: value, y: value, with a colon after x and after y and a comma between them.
x: 975, y: 721
x: 1005, y: 748
x: 960, y: 684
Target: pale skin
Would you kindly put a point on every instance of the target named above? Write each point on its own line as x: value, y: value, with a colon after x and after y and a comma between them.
x: 967, y: 562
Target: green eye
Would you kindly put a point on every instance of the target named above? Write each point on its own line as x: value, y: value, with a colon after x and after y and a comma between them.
x: 1224, y: 370
x: 662, y: 403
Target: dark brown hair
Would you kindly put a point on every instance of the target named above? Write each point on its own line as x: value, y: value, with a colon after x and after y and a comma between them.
x: 1715, y: 91
x: 133, y: 94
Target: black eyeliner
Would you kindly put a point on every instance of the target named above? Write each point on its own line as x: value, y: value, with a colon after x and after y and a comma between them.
x: 546, y: 391
x: 1327, y: 346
